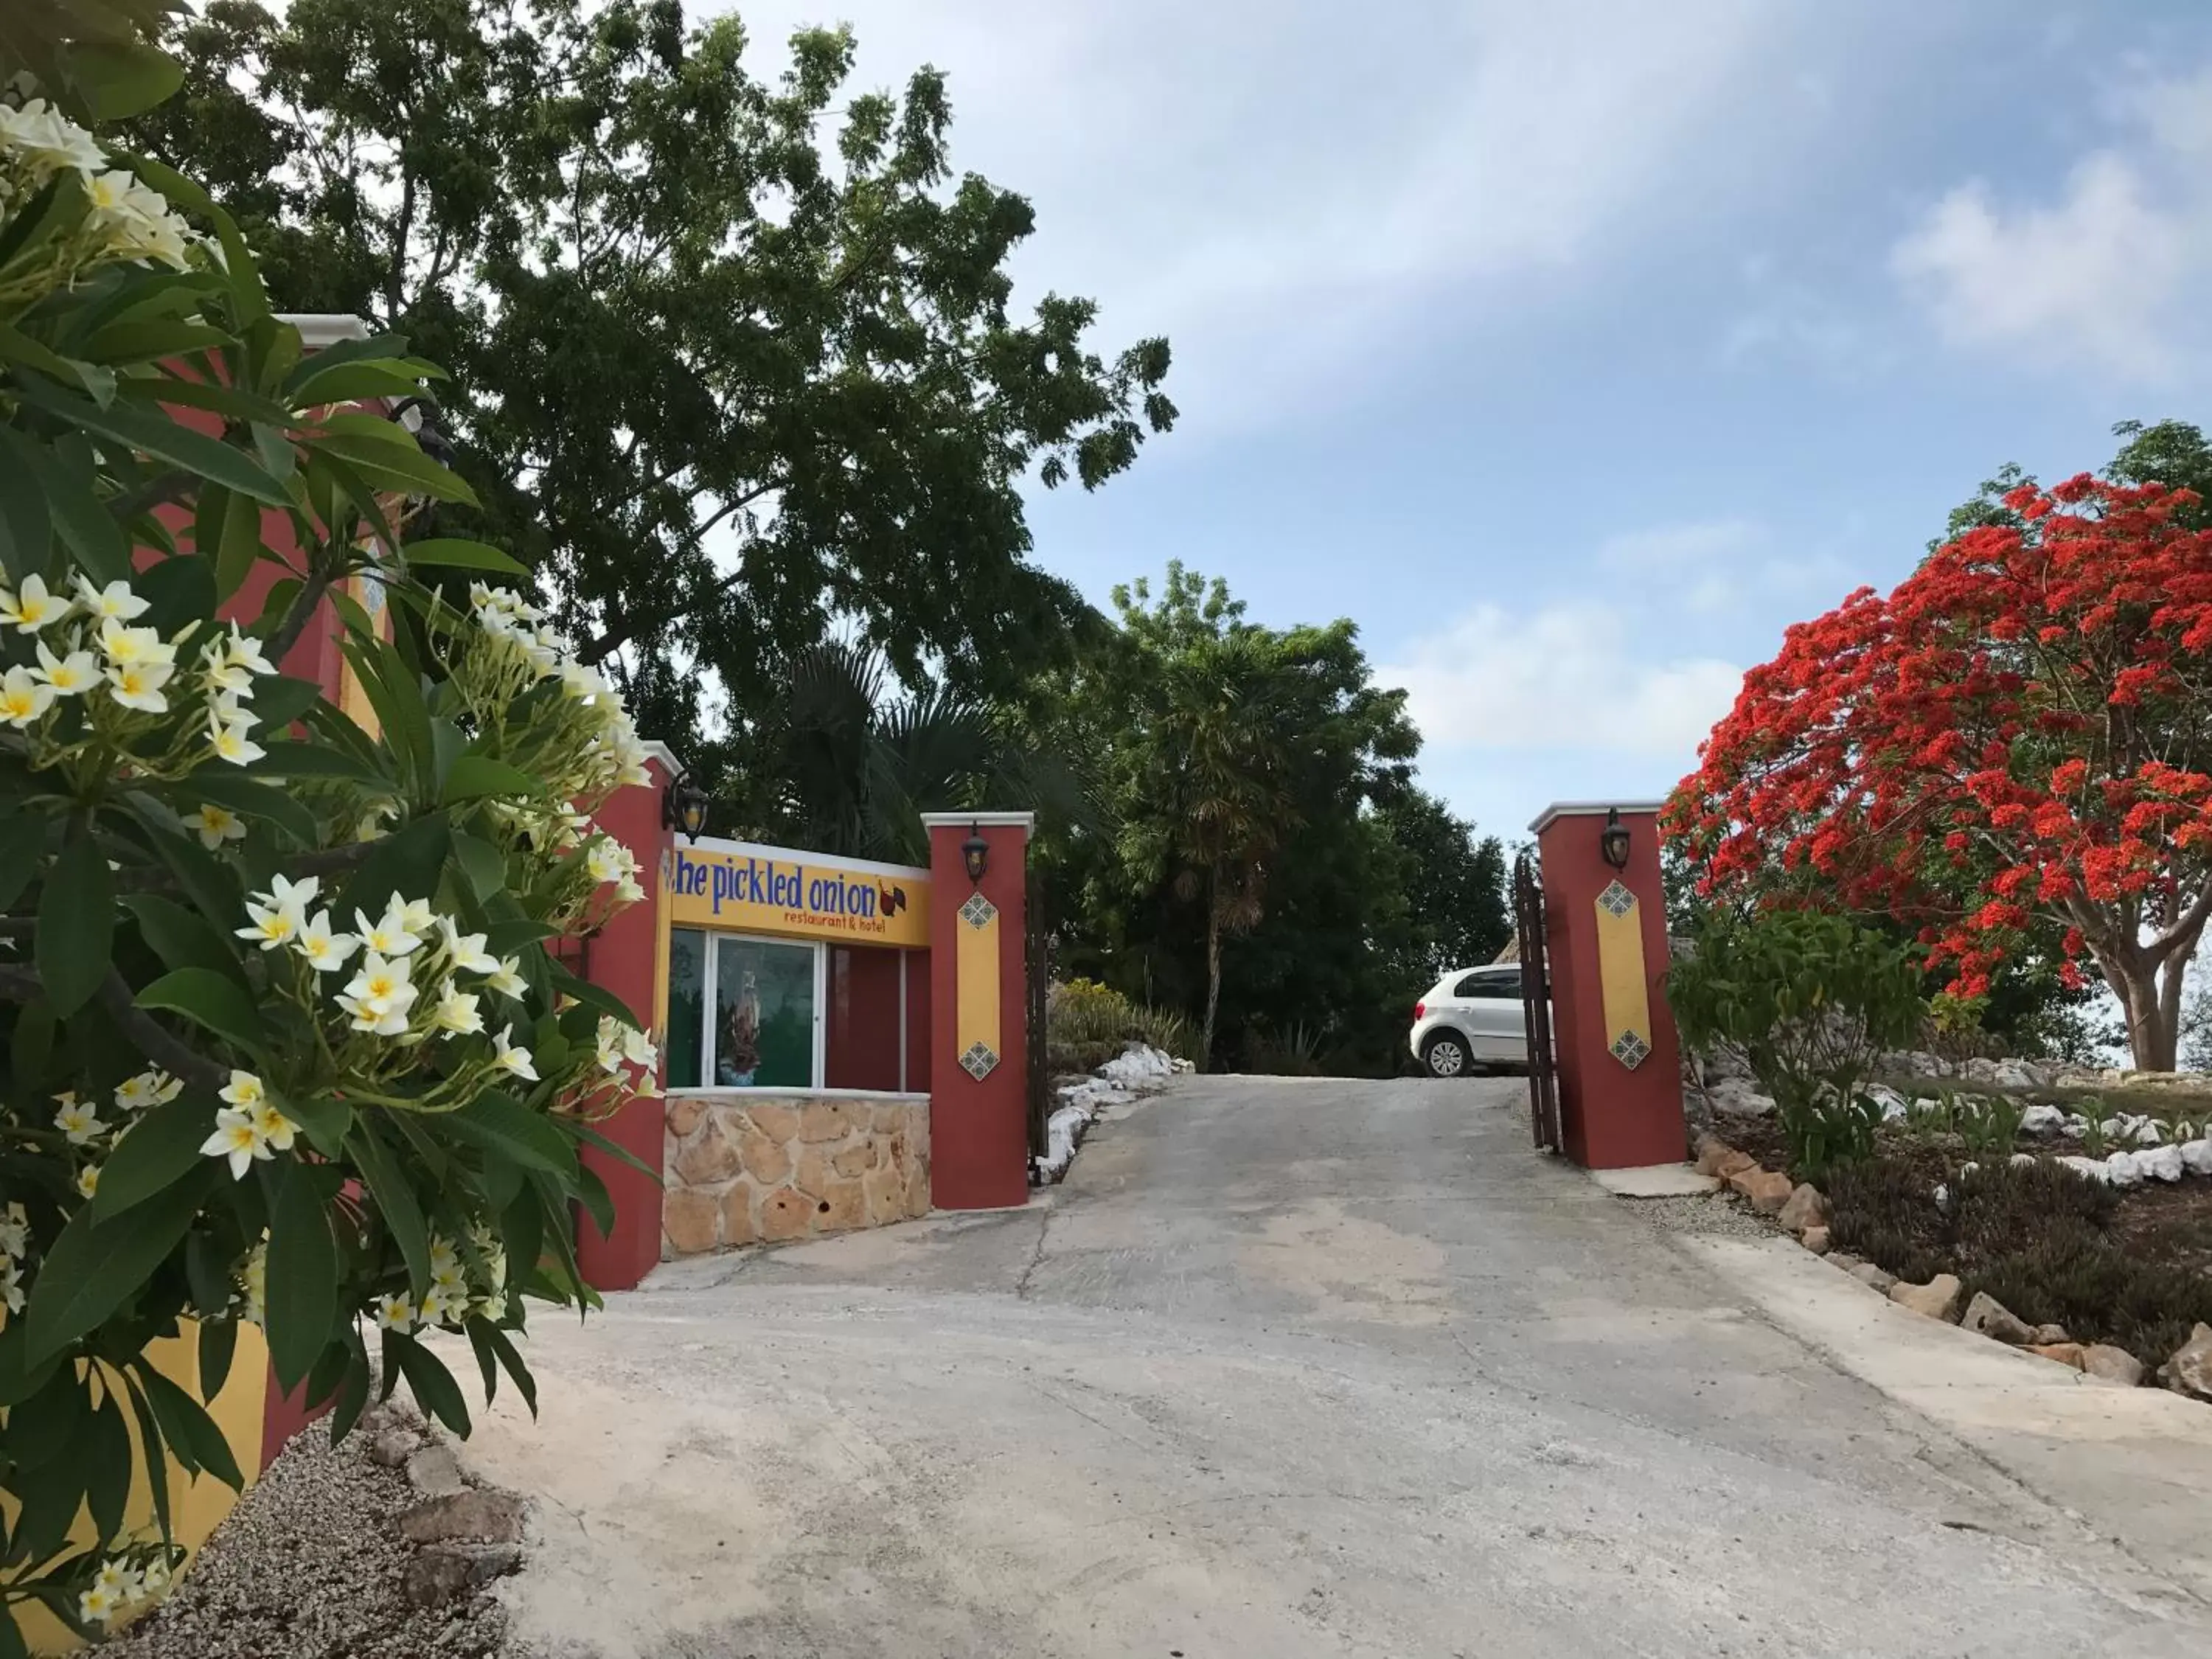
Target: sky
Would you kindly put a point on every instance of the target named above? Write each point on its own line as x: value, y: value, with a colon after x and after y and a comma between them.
x: 1575, y: 350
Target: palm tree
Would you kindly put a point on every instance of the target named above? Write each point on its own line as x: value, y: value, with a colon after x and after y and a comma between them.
x: 1218, y: 789
x: 861, y: 761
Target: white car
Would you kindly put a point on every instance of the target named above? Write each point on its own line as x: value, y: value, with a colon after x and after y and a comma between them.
x: 1471, y: 1016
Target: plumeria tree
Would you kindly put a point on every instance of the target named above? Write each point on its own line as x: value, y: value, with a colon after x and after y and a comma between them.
x: 283, y: 1041
x: 2020, y: 733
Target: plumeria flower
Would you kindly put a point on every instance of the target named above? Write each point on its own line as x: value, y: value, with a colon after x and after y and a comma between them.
x: 79, y: 1119
x: 244, y: 1091
x: 609, y: 1055
x: 515, y: 1061
x: 120, y: 1579
x: 388, y: 935
x: 325, y: 949
x: 98, y: 1605
x: 219, y: 674
x: 638, y: 1049
x: 48, y: 140
x: 456, y: 1013
x: 23, y: 699
x: 148, y: 1089
x: 466, y: 950
x: 380, y: 995
x: 295, y: 894
x: 273, y: 1126
x: 135, y: 647
x: 14, y: 1232
x: 138, y: 685
x: 608, y: 860
x: 507, y: 978
x: 115, y: 601
x: 11, y: 1285
x: 274, y: 923
x: 255, y: 1282
x: 69, y: 676
x: 216, y: 825
x: 87, y: 1180
x: 416, y: 916
x: 240, y: 651
x: 227, y: 738
x: 436, y: 1307
x: 238, y: 1137
x: 396, y: 1312
x: 31, y: 607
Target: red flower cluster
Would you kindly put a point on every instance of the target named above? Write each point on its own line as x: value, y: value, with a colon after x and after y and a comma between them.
x: 2023, y: 727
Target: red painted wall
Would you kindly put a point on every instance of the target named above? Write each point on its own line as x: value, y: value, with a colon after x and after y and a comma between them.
x: 622, y: 960
x: 978, y: 1141
x: 1610, y: 1117
x: 860, y: 1047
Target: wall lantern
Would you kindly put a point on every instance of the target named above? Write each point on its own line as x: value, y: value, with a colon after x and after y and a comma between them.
x: 1612, y: 841
x: 976, y: 854
x: 683, y: 807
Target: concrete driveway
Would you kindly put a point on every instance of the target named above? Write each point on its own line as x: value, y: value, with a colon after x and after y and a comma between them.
x: 1284, y: 1368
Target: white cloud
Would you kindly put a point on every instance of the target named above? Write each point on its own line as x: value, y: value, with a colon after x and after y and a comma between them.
x: 1674, y: 548
x: 1576, y: 675
x: 1281, y: 185
x: 2111, y: 274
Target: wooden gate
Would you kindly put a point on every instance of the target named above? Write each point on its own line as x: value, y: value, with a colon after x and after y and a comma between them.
x: 1536, y: 1000
x: 1038, y: 972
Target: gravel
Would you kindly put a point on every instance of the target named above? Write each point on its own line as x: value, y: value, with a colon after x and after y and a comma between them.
x: 310, y: 1565
x: 1714, y: 1213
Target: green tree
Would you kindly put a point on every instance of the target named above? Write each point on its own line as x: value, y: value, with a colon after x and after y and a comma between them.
x: 732, y: 381
x: 849, y: 764
x: 1458, y: 913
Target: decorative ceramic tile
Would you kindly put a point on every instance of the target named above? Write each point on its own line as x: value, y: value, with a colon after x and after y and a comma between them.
x: 978, y: 911
x: 1616, y: 899
x: 1630, y: 1050
x: 979, y: 1061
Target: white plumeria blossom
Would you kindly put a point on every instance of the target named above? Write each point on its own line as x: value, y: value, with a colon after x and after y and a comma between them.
x: 148, y: 1089
x: 466, y: 952
x: 125, y: 647
x: 506, y: 979
x: 609, y: 1054
x: 138, y: 685
x: 32, y: 607
x: 512, y: 1058
x: 49, y: 141
x: 70, y: 675
x: 638, y: 1049
x: 23, y: 699
x: 273, y: 924
x: 295, y: 894
x: 244, y: 1091
x: 229, y: 741
x: 115, y: 601
x: 254, y: 1280
x: 380, y: 995
x: 275, y: 1129
x: 456, y: 1013
x: 87, y: 1180
x: 11, y: 1286
x: 14, y: 1232
x: 389, y: 935
x: 325, y: 951
x: 396, y: 1312
x: 216, y: 825
x: 79, y: 1119
x: 98, y: 1605
x: 416, y: 916
x: 239, y: 1137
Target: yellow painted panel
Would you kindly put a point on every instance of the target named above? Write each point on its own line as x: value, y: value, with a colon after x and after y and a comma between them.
x: 1621, y: 977
x: 742, y: 888
x: 197, y: 1506
x: 353, y: 701
x: 975, y: 985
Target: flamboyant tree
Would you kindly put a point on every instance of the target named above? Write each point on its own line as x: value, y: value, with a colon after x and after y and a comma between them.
x: 2022, y: 729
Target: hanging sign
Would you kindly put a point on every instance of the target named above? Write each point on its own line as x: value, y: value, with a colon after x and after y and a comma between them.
x: 738, y: 887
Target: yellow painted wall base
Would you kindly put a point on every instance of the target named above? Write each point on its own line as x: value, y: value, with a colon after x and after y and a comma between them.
x: 197, y: 1506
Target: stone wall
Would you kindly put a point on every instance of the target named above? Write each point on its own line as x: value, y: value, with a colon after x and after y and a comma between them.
x: 745, y: 1170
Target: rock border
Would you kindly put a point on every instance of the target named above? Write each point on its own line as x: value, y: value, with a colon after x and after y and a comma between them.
x: 1803, y: 1210
x: 1137, y: 1070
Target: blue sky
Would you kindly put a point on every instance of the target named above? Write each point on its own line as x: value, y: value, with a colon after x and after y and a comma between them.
x: 1575, y: 350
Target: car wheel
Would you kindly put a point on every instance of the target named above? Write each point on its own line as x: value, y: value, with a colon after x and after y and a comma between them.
x: 1445, y: 1055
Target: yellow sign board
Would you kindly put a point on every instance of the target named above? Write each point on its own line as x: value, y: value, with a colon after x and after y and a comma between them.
x: 741, y: 888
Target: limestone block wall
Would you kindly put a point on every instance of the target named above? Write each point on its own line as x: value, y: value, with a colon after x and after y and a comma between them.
x: 742, y: 1168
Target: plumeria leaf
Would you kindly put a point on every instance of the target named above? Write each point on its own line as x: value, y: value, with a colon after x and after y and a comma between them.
x: 186, y: 1425
x: 218, y: 1343
x: 595, y: 996
x: 314, y: 760
x: 26, y: 528
x: 76, y: 925
x: 435, y: 1391
x: 302, y: 1275
x: 183, y: 937
x: 327, y: 1122
x: 149, y: 431
x: 108, y: 1462
x: 408, y: 863
x: 162, y: 1148
x: 500, y: 1124
x: 474, y: 776
x: 92, y: 1269
x: 454, y: 553
x: 209, y: 999
x: 395, y: 1202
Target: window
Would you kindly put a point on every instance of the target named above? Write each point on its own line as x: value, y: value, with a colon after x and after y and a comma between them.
x: 763, y: 1029
x: 1491, y: 985
x: 687, y: 1006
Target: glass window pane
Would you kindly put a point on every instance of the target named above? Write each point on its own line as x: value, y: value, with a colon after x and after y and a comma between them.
x: 687, y: 1005
x: 763, y: 1015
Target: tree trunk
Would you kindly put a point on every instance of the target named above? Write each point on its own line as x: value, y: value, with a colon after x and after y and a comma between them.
x: 2153, y: 1011
x: 1213, y: 978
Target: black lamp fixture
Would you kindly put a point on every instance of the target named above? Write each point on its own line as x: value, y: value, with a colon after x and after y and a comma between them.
x: 683, y: 807
x: 976, y: 854
x: 1613, y: 841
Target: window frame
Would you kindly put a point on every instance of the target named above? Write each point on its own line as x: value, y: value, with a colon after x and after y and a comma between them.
x: 709, y: 1005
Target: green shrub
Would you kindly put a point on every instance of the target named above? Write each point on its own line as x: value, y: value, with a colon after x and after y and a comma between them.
x: 1811, y: 1001
x: 1087, y: 1023
x: 1293, y: 1052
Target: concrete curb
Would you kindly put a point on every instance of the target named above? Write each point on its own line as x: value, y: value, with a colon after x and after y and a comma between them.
x: 2136, y: 1464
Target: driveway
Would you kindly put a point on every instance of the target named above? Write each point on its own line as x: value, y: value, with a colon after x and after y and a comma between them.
x: 1284, y: 1368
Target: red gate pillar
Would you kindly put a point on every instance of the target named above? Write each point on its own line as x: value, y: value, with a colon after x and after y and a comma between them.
x: 628, y: 957
x: 979, y: 1138
x: 1605, y: 927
